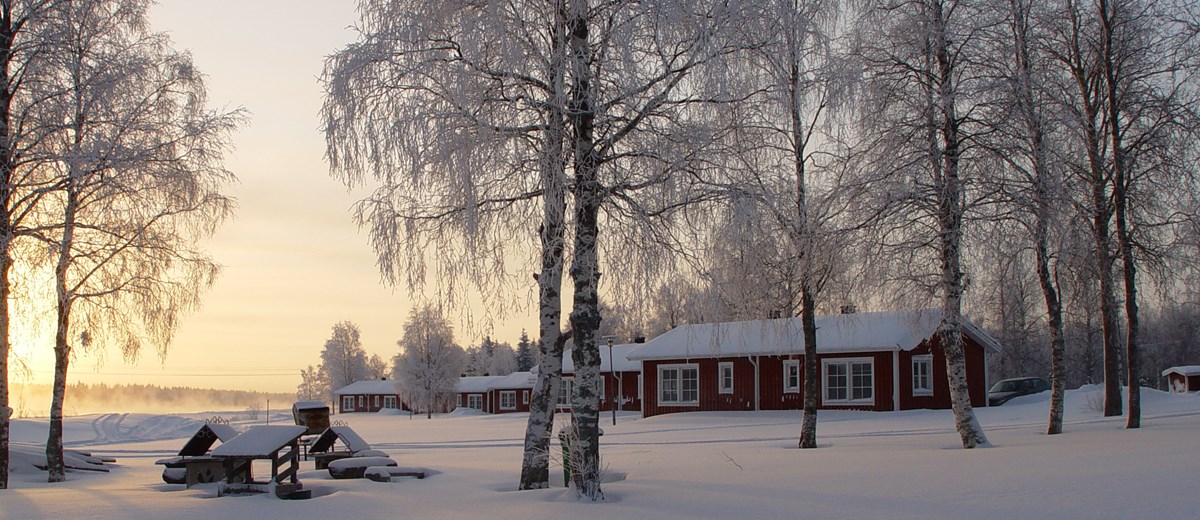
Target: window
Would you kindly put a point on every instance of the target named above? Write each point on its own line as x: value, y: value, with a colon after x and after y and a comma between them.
x: 791, y: 376
x: 347, y: 403
x: 475, y: 401
x: 849, y: 381
x: 508, y: 400
x: 725, y: 377
x: 922, y: 382
x: 566, y: 392
x: 679, y: 384
x: 389, y: 401
x: 525, y: 397
x: 362, y: 401
x: 377, y: 401
x: 600, y: 387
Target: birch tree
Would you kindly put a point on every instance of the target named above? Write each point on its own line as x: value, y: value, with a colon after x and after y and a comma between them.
x: 1026, y: 138
x: 24, y: 35
x: 343, y: 359
x: 643, y: 78
x: 471, y: 97
x: 921, y: 59
x: 429, y: 364
x: 139, y: 169
x: 792, y: 138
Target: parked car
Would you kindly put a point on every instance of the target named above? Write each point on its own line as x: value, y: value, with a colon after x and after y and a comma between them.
x: 1007, y: 389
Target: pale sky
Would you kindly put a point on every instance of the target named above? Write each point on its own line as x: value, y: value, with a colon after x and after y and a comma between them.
x: 294, y: 263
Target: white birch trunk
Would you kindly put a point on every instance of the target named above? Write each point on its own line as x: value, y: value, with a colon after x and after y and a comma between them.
x: 535, y: 463
x: 950, y: 199
x: 585, y: 313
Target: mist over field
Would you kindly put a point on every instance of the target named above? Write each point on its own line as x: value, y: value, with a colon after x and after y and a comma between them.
x: 83, y: 399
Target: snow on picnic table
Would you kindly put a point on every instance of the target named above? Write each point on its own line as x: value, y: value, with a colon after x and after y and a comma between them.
x: 259, y: 441
x: 710, y: 465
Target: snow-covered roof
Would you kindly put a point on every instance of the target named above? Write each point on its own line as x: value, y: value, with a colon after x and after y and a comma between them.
x: 476, y: 384
x: 381, y: 387
x: 259, y: 441
x: 620, y: 356
x: 858, y: 332
x: 515, y: 380
x: 308, y: 405
x: 205, y: 437
x: 1185, y: 370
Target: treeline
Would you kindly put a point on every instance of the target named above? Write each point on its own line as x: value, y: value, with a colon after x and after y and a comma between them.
x: 83, y: 398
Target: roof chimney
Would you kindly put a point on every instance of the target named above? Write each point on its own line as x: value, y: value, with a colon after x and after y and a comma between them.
x: 849, y: 308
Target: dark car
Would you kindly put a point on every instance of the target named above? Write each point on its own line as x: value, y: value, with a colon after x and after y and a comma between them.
x: 1007, y: 389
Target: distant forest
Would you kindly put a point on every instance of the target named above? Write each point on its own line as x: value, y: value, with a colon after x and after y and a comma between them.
x: 82, y: 399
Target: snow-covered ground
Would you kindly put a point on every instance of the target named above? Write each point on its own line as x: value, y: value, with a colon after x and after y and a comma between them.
x: 695, y: 465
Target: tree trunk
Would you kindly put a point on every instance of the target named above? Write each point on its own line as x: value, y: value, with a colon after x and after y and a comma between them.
x: 950, y: 198
x: 7, y: 231
x: 1042, y: 210
x: 585, y: 313
x: 535, y: 463
x: 5, y: 294
x: 1121, y: 187
x: 808, y: 318
x: 62, y: 346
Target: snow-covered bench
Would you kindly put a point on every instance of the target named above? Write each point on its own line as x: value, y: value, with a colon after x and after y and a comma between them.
x: 356, y: 467
x: 385, y: 473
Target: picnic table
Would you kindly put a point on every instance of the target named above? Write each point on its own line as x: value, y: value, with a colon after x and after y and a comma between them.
x: 278, y: 444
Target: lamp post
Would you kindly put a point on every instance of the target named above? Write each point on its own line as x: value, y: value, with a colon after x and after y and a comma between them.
x: 612, y: 376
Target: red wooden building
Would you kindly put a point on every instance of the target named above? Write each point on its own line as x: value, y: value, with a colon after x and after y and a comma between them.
x: 868, y: 361
x: 369, y: 396
x: 1183, y: 379
x: 473, y: 392
x: 511, y: 393
x: 620, y: 378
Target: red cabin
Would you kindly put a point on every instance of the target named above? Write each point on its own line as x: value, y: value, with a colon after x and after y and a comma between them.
x: 879, y: 361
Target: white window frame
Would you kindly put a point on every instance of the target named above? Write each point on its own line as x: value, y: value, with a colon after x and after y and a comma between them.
x: 725, y: 377
x: 377, y: 400
x: 848, y: 364
x: 566, y: 392
x: 600, y: 387
x: 525, y: 397
x: 476, y: 400
x: 389, y: 401
x: 347, y: 403
x: 927, y: 362
x: 508, y: 399
x: 362, y: 401
x: 678, y: 370
x: 788, y: 366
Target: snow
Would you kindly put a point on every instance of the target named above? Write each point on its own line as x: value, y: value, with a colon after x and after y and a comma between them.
x: 858, y: 332
x: 259, y: 441
x: 514, y: 380
x: 308, y: 405
x: 1186, y: 370
x: 896, y: 465
x: 476, y: 384
x: 620, y: 358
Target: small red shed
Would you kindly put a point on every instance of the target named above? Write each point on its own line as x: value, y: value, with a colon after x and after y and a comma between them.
x: 1183, y: 379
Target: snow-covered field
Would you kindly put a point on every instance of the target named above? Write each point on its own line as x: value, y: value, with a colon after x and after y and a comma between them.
x: 697, y: 465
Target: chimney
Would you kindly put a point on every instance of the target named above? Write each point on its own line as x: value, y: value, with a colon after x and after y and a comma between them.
x: 849, y: 308
x: 639, y: 339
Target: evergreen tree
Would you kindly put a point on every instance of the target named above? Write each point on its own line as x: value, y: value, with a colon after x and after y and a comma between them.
x: 524, y: 353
